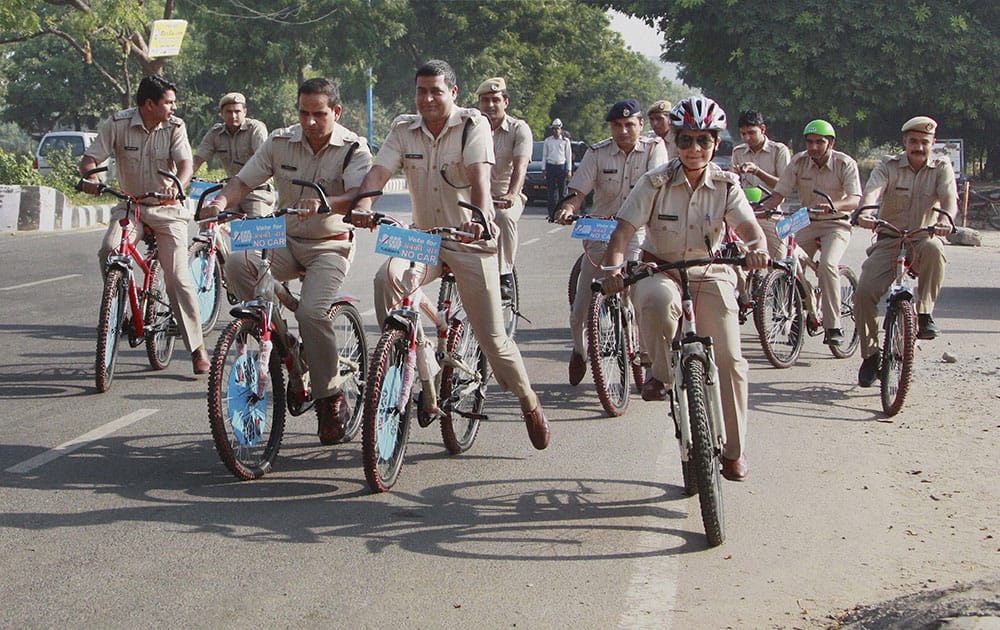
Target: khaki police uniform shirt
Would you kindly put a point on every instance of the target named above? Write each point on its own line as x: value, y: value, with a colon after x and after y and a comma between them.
x: 422, y: 156
x: 838, y: 178
x: 140, y: 152
x: 234, y: 150
x: 773, y: 158
x: 511, y: 139
x: 611, y: 173
x: 907, y: 196
x: 287, y: 155
x: 685, y: 223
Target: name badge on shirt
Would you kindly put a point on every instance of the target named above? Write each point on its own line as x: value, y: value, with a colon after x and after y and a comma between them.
x: 414, y: 156
x: 288, y: 167
x: 128, y: 148
x: 668, y: 217
x: 902, y: 188
x: 610, y: 171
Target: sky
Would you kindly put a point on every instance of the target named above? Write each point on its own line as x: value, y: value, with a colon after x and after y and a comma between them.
x: 641, y: 38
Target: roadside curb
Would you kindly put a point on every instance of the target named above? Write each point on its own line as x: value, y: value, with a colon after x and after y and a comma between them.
x: 45, y: 209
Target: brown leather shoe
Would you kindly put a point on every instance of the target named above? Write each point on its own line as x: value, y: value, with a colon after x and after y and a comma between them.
x: 538, y: 427
x: 654, y: 390
x: 199, y: 361
x: 577, y: 368
x: 735, y: 469
x: 333, y: 412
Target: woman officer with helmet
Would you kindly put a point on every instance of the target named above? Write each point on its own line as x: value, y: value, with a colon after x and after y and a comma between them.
x: 685, y: 205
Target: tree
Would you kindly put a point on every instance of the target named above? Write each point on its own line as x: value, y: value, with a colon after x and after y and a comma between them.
x: 866, y: 67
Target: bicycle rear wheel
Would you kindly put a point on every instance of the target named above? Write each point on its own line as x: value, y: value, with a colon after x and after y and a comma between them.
x: 161, y: 327
x: 607, y: 347
x: 111, y: 318
x: 511, y: 307
x: 574, y: 277
x: 247, y: 421
x: 993, y: 215
x: 897, y: 355
x: 706, y: 458
x: 463, y: 389
x: 352, y: 362
x: 779, y: 319
x: 848, y: 287
x: 386, y: 421
x: 207, y: 284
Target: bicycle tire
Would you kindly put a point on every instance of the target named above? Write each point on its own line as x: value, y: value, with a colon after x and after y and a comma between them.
x: 512, y: 307
x: 463, y: 395
x: 247, y: 429
x: 607, y: 348
x: 574, y: 278
x: 634, y: 356
x: 386, y: 421
x: 897, y: 355
x: 706, y: 459
x: 779, y: 319
x: 852, y: 339
x: 208, y: 287
x: 352, y: 361
x: 448, y: 293
x: 110, y: 320
x: 161, y: 327
x: 993, y: 215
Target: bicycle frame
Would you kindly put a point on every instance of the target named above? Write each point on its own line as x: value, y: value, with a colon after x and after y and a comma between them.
x: 125, y: 257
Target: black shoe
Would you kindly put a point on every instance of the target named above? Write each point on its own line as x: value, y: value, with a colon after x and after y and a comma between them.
x: 868, y: 373
x: 507, y: 287
x: 833, y: 337
x: 926, y: 328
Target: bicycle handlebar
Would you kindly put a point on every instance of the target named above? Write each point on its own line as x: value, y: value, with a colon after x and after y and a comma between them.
x: 856, y: 215
x: 635, y: 271
x: 124, y: 196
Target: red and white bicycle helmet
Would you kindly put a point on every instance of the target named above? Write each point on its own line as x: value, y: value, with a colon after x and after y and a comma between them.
x: 698, y: 113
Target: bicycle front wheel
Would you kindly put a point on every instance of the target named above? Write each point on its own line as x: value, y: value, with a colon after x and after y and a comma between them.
x: 706, y: 458
x: 779, y: 319
x: 574, y: 277
x: 463, y: 389
x: 608, y: 349
x: 161, y: 327
x: 207, y: 275
x: 386, y: 422
x: 110, y: 321
x: 897, y: 355
x: 246, y: 401
x: 852, y: 339
x: 352, y: 362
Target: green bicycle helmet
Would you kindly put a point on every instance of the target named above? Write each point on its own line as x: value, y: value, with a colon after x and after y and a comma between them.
x: 820, y: 128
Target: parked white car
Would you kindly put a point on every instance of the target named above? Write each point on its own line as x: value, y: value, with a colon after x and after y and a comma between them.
x: 76, y: 141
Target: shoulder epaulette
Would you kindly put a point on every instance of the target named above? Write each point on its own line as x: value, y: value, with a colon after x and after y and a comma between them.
x: 404, y: 119
x: 602, y: 144
x: 725, y: 176
x: 176, y: 121
x: 663, y: 173
x: 123, y: 114
x: 217, y: 127
x: 282, y: 134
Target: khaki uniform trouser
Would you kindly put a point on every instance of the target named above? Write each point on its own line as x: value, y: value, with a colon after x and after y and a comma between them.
x: 580, y: 309
x: 877, y: 274
x: 507, y: 239
x: 170, y: 225
x: 658, y: 303
x: 478, y: 281
x: 776, y: 249
x: 834, y: 237
x: 256, y: 204
x: 325, y: 264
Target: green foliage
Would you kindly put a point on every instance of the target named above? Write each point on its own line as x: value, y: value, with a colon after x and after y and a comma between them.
x: 13, y: 139
x: 16, y: 170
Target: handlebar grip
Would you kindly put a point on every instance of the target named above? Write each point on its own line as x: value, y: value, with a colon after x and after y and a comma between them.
x: 478, y: 216
x: 177, y: 183
x: 324, y: 207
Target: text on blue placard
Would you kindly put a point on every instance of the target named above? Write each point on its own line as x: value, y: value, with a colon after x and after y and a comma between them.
x: 408, y: 244
x: 258, y: 234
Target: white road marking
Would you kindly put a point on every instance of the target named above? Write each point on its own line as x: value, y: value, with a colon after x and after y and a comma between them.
x: 31, y: 284
x: 68, y: 447
x: 652, y: 589
x: 554, y: 230
x: 534, y: 240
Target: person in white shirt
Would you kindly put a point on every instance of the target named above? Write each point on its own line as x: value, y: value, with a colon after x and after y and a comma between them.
x: 557, y: 165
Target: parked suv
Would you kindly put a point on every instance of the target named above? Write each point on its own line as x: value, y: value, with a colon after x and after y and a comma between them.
x: 76, y: 141
x: 534, y: 180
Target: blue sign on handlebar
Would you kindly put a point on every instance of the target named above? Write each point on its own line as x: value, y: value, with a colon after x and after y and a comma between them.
x: 592, y: 229
x: 197, y: 189
x: 258, y: 234
x: 408, y: 244
x: 794, y: 223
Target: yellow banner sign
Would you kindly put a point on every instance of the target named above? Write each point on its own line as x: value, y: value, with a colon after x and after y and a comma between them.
x: 166, y: 38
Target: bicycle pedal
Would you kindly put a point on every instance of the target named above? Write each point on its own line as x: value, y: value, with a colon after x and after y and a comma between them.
x: 518, y: 315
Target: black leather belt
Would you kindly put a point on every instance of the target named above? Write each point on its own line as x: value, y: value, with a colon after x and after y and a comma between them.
x: 264, y: 187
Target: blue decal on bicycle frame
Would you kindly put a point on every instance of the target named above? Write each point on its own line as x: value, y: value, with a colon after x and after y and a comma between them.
x: 258, y: 234
x: 247, y: 415
x: 408, y: 244
x: 388, y: 414
x: 593, y: 229
x: 794, y: 223
x: 197, y: 189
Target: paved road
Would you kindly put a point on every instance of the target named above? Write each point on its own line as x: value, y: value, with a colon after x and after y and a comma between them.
x: 134, y: 521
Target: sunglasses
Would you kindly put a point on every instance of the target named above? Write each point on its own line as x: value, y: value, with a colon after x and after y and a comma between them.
x: 705, y: 141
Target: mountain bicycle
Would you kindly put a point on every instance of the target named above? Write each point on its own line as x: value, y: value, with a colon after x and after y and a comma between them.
x: 780, y: 317
x: 983, y: 206
x: 695, y: 397
x: 206, y: 261
x: 452, y: 375
x: 900, y: 321
x: 247, y: 394
x: 142, y: 313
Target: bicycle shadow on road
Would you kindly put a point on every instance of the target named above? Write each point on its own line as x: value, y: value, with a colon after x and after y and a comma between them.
x: 812, y: 401
x: 180, y: 482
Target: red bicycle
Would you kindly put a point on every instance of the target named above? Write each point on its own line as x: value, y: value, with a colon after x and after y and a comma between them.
x: 149, y: 318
